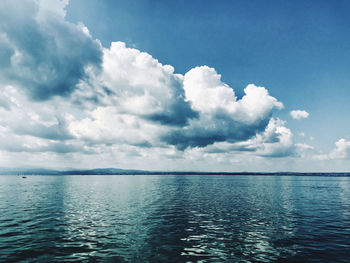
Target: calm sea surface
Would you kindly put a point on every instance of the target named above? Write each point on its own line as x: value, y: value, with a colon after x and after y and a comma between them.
x: 174, y: 218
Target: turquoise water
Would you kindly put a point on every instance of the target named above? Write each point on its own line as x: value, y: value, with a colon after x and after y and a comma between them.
x: 174, y: 218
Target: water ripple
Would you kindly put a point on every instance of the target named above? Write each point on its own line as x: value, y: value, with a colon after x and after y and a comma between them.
x: 174, y: 219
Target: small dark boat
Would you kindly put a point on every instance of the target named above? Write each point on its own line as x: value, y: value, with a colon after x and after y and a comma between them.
x: 24, y: 176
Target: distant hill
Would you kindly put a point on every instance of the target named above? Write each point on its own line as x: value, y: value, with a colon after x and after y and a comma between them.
x: 116, y: 171
x: 24, y: 171
x: 107, y: 171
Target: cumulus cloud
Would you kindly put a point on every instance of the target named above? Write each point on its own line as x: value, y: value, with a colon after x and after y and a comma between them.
x: 105, y: 125
x: 221, y: 116
x: 144, y: 87
x: 25, y: 117
x: 340, y: 152
x: 299, y: 114
x: 10, y: 141
x: 275, y: 141
x: 150, y: 105
x: 63, y: 93
x: 40, y: 51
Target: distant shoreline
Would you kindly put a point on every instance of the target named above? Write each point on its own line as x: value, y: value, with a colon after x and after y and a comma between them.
x: 113, y: 171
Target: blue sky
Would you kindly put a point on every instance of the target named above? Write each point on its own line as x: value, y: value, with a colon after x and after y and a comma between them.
x: 81, y: 96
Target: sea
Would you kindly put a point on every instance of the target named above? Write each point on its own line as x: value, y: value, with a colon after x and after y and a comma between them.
x: 174, y: 218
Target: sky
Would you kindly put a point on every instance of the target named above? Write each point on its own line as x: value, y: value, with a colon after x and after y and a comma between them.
x: 175, y: 85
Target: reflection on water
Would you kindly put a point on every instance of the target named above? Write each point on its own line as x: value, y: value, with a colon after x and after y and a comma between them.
x: 174, y: 218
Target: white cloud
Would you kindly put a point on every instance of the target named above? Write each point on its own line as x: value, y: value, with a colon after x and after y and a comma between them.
x: 63, y: 94
x: 26, y: 117
x: 221, y: 116
x: 41, y: 52
x: 275, y: 141
x: 340, y: 152
x: 142, y: 86
x: 150, y: 105
x: 105, y: 125
x: 304, y: 146
x: 208, y: 94
x: 299, y: 114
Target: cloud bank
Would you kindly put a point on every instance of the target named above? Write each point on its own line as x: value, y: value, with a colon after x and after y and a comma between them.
x: 41, y: 52
x: 64, y: 94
